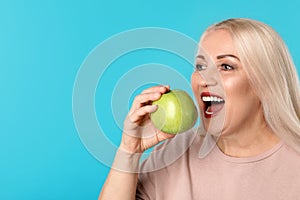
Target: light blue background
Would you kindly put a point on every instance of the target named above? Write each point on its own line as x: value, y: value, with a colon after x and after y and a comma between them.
x: 42, y: 45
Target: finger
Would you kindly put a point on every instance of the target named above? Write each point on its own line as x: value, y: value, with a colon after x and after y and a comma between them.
x: 160, y: 88
x: 150, y: 94
x: 142, y: 99
x: 141, y: 112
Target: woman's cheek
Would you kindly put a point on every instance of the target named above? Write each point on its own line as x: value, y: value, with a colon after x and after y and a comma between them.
x: 195, y: 85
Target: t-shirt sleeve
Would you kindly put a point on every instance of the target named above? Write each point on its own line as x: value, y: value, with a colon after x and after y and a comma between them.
x: 154, y: 171
x: 146, y: 180
x: 145, y: 187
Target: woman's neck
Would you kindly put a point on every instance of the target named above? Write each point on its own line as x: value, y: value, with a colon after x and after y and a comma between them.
x: 248, y: 143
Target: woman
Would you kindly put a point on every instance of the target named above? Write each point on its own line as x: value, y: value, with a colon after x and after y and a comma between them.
x: 255, y: 125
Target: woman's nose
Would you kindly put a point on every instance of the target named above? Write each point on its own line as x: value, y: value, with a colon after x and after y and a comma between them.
x: 208, y: 78
x: 202, y: 82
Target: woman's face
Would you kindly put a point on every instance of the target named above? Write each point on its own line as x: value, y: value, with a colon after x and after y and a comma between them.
x: 221, y: 87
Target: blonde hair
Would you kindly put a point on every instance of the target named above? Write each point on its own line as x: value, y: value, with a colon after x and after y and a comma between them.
x: 271, y: 72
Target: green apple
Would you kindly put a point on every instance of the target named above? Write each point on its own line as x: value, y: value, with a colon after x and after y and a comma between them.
x: 176, y: 112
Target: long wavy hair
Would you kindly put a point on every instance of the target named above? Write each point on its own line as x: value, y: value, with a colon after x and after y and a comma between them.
x: 271, y: 72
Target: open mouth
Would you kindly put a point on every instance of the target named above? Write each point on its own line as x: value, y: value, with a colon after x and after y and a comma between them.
x: 213, y: 104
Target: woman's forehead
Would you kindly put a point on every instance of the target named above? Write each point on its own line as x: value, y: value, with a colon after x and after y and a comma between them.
x: 216, y: 43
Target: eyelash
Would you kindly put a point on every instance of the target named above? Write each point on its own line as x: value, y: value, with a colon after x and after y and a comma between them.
x: 227, y: 67
x: 224, y: 67
x: 200, y: 67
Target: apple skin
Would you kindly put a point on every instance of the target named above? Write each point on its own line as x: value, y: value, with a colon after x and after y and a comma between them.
x: 176, y: 112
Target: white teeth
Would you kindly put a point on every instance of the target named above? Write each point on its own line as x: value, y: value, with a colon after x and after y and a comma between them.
x: 211, y: 98
x: 209, y: 113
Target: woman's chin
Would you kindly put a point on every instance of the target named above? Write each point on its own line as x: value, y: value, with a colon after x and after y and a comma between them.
x: 214, y: 126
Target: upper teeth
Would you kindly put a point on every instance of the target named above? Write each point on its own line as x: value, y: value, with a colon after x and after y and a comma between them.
x: 211, y: 98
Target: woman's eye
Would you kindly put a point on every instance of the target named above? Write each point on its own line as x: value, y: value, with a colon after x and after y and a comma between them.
x: 226, y: 67
x: 200, y: 67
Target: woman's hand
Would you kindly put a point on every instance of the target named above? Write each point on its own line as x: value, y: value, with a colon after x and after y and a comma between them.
x: 139, y: 134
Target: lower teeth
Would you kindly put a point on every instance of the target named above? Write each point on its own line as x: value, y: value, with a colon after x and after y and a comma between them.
x: 208, y: 112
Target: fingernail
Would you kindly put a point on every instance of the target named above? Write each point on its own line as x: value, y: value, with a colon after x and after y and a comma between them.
x: 154, y: 108
x: 167, y: 87
x: 157, y: 94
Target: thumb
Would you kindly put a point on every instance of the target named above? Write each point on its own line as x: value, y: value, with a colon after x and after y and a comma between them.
x: 163, y: 136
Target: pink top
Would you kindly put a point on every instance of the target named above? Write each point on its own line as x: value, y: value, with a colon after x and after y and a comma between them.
x: 273, y: 175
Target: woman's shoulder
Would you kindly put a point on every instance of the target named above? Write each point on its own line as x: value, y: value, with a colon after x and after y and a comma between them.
x: 171, y: 150
x: 290, y: 155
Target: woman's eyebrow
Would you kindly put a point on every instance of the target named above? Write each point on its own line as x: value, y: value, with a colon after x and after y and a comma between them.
x: 219, y: 56
x: 201, y: 57
x: 227, y: 55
